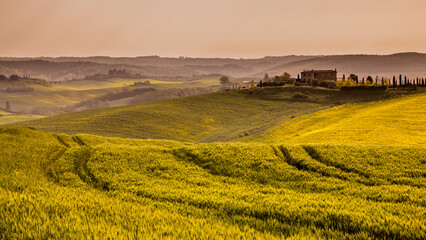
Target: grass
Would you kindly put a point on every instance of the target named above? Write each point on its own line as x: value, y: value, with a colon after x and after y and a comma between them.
x: 353, y: 171
x: 48, y: 100
x: 395, y: 121
x: 61, y: 186
x: 14, y: 118
x: 220, y: 116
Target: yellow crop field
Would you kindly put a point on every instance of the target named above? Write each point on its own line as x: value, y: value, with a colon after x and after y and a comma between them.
x: 65, y: 187
x: 396, y: 121
x: 306, y: 170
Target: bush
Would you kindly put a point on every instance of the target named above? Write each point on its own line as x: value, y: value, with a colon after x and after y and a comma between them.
x: 18, y: 89
x: 328, y: 84
x: 300, y: 96
x: 272, y: 84
x: 298, y: 84
x: 381, y: 88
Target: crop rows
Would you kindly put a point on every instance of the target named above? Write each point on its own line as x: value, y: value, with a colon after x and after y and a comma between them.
x: 59, y: 186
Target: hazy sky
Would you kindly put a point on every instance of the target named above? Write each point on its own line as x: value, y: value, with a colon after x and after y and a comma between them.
x: 210, y: 28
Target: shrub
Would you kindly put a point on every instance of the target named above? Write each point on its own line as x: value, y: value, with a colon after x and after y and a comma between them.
x: 328, y: 84
x: 300, y: 96
x: 315, y: 82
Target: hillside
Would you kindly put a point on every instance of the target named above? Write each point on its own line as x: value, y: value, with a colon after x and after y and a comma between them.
x: 220, y: 116
x: 67, y: 68
x: 8, y: 117
x: 62, y: 68
x: 58, y: 186
x: 77, y: 95
x: 410, y: 64
x: 353, y: 171
x: 395, y: 121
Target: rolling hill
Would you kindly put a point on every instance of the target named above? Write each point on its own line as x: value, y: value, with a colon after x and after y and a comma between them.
x: 410, y: 64
x: 351, y: 171
x: 219, y: 116
x: 61, y: 186
x: 67, y: 68
x: 395, y: 121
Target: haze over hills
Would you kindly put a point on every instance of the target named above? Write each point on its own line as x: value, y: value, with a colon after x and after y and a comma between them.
x: 63, y: 68
x: 66, y: 68
x: 409, y: 64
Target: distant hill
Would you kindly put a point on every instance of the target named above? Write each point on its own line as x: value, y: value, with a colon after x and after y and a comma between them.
x: 67, y: 68
x: 410, y: 64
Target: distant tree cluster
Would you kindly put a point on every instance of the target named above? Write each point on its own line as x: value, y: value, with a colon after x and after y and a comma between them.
x: 380, y: 83
x: 224, y: 80
x: 413, y: 83
x: 113, y: 73
x: 278, y: 80
x: 12, y: 78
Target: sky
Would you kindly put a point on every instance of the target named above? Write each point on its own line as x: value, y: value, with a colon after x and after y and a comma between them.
x: 210, y: 28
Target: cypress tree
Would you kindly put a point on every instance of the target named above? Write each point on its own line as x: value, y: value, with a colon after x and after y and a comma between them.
x: 7, y: 106
x: 394, y: 82
x: 405, y: 80
x: 400, y: 80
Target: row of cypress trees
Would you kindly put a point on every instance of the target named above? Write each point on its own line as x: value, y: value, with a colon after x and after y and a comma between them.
x: 406, y: 82
x: 419, y: 82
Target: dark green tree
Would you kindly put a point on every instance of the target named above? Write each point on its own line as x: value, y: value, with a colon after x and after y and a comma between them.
x: 344, y: 77
x: 353, y: 77
x: 7, y: 106
x: 14, y: 77
x: 370, y: 80
x: 224, y: 80
x: 266, y: 77
x: 286, y: 76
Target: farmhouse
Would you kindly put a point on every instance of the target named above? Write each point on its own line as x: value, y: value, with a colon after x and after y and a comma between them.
x: 309, y: 75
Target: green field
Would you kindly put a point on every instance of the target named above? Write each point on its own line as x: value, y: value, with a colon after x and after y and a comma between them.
x: 58, y: 186
x: 395, y: 121
x: 51, y: 100
x: 220, y: 116
x: 272, y: 163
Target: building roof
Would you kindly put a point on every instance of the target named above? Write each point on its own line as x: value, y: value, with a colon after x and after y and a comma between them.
x: 320, y: 70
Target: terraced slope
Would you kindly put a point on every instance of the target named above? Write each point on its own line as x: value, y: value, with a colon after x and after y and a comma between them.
x: 60, y: 186
x: 396, y: 121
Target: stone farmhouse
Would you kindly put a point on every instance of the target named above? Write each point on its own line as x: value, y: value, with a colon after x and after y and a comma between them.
x: 309, y: 75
